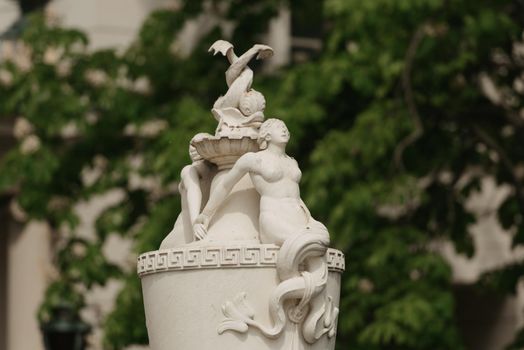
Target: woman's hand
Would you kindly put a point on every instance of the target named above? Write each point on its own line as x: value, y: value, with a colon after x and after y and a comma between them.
x: 200, y: 227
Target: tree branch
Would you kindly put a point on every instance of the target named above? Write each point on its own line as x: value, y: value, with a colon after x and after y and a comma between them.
x: 417, y: 38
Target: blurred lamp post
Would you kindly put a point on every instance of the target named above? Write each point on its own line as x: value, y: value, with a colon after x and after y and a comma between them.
x: 65, y: 330
x: 28, y: 6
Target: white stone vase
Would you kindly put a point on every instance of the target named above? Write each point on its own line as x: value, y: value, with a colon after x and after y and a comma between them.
x: 186, y: 288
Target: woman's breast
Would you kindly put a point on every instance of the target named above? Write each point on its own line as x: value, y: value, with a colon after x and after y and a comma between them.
x: 294, y: 174
x: 272, y: 175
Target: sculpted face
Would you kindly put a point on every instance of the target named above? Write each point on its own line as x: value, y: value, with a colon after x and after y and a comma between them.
x: 278, y: 132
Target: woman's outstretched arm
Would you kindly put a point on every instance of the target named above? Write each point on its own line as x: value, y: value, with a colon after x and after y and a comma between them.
x: 243, y: 165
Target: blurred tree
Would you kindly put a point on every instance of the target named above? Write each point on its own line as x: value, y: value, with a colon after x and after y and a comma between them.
x: 410, y: 103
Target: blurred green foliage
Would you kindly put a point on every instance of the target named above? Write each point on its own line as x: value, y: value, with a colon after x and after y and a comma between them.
x: 389, y: 123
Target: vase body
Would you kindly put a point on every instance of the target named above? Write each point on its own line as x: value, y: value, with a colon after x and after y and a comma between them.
x: 185, y: 289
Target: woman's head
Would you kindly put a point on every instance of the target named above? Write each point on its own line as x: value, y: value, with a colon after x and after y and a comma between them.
x: 273, y: 131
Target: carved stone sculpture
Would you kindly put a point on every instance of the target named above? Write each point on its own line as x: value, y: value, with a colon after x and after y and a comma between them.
x: 245, y: 266
x: 241, y: 109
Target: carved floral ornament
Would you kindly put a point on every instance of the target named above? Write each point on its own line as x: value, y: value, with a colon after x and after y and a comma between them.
x: 241, y: 208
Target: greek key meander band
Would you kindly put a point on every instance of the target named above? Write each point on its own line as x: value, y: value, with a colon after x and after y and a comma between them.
x: 212, y: 257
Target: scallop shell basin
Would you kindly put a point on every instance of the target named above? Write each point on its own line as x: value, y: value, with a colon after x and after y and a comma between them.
x: 225, y: 151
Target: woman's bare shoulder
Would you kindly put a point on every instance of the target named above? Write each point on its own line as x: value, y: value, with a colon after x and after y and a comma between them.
x: 249, y: 161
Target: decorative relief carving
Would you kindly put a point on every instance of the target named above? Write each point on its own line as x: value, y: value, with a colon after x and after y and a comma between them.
x: 190, y: 258
x: 239, y: 316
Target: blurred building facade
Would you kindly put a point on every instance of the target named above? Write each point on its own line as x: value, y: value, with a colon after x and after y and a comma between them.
x: 488, y: 323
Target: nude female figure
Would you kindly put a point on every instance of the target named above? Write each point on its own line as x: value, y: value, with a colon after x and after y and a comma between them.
x: 276, y: 178
x: 285, y: 221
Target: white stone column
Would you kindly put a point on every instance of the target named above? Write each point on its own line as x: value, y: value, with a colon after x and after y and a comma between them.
x: 279, y: 38
x: 29, y: 259
x: 8, y: 14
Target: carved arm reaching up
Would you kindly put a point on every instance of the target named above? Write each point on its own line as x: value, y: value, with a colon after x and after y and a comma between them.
x: 218, y: 195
